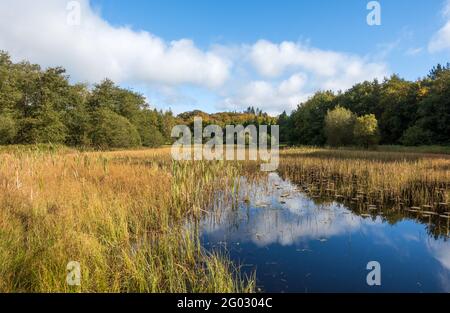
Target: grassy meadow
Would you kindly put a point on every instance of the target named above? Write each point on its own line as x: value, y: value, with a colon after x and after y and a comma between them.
x: 123, y: 214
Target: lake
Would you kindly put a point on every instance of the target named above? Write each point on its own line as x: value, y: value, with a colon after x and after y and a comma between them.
x: 297, y: 243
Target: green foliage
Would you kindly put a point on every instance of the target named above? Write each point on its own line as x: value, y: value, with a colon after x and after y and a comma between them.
x: 407, y: 112
x: 112, y: 130
x: 308, y: 120
x: 228, y: 118
x: 285, y: 127
x: 77, y: 118
x: 365, y: 131
x: 152, y: 137
x: 416, y: 136
x: 339, y: 124
x: 107, y: 95
x: 45, y: 127
x: 166, y: 121
x: 251, y: 116
x: 8, y: 129
x: 399, y: 103
x: 39, y: 106
x: 433, y: 114
x: 361, y: 99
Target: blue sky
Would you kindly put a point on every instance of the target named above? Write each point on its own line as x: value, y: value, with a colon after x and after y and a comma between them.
x: 224, y: 55
x: 327, y: 24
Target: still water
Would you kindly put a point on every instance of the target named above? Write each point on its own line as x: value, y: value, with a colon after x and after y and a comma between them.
x: 299, y: 244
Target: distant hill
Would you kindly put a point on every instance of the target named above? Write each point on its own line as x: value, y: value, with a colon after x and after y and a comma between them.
x: 228, y: 118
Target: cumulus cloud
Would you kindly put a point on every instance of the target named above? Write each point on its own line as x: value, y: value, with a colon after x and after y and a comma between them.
x: 290, y: 72
x: 272, y: 76
x: 272, y: 60
x: 94, y: 49
x: 441, y: 40
x: 269, y: 96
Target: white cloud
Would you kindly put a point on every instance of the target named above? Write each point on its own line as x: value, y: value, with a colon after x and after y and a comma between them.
x: 272, y: 76
x: 38, y: 31
x: 414, y: 51
x: 269, y: 96
x: 290, y: 72
x: 441, y: 40
x: 336, y: 68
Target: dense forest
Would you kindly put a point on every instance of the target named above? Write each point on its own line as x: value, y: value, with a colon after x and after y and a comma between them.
x: 395, y: 111
x: 42, y: 106
x: 250, y: 116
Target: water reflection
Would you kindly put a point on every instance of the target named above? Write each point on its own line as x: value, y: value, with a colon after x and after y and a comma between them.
x: 300, y: 244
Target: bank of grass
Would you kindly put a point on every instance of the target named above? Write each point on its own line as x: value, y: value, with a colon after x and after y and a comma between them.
x: 122, y: 215
x: 418, y: 149
x: 36, y: 149
x: 127, y: 216
x: 373, y: 177
x: 384, y: 148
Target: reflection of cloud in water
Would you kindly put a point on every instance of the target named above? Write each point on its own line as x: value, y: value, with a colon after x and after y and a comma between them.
x: 279, y: 214
x: 440, y: 251
x: 297, y: 219
x: 444, y: 279
x: 297, y: 224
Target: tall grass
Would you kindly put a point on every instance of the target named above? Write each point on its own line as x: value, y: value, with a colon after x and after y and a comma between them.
x: 121, y: 215
x: 128, y: 217
x: 408, y: 179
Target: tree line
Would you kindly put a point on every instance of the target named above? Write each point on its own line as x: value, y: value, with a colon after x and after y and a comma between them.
x: 41, y: 106
x: 395, y: 111
x: 250, y: 116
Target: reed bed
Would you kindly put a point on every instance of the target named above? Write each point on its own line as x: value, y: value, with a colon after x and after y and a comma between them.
x: 129, y: 217
x: 421, y: 181
x: 121, y: 215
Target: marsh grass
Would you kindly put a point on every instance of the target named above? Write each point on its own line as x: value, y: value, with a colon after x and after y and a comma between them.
x: 129, y: 217
x: 371, y: 178
x: 120, y: 214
